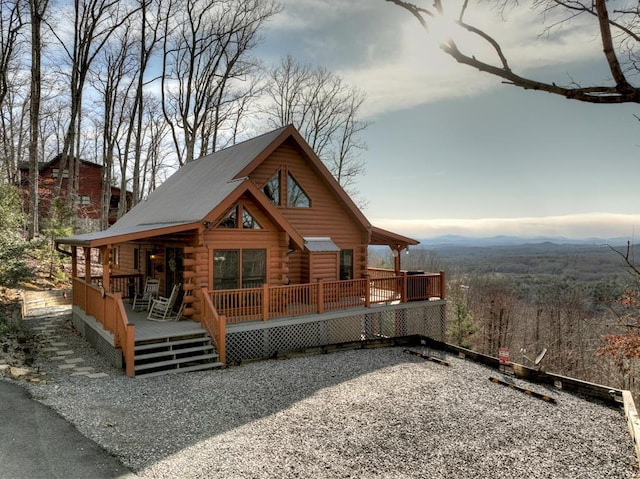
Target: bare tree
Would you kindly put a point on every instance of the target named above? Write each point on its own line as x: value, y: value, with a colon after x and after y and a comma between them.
x: 11, y: 24
x: 14, y: 117
x: 206, y: 56
x: 37, y: 10
x: 150, y: 34
x: 156, y: 152
x: 326, y: 112
x: 115, y: 80
x: 94, y: 21
x: 11, y: 27
x: 618, y: 28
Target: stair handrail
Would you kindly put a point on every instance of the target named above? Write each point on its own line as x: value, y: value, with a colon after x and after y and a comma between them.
x: 125, y: 334
x: 215, y: 323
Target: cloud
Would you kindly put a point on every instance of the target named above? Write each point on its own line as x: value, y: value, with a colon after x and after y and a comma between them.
x: 592, y: 225
x: 417, y: 71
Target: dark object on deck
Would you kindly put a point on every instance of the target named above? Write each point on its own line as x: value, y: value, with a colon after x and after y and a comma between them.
x: 526, y: 391
x: 428, y: 357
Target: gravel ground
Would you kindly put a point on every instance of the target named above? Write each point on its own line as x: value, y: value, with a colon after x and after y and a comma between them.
x: 365, y: 413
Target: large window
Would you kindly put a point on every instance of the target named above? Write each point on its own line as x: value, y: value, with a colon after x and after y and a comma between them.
x: 346, y: 264
x: 239, y: 268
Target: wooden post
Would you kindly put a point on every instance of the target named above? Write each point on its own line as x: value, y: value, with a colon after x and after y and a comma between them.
x: 265, y: 302
x: 106, y: 257
x: 396, y: 261
x: 367, y: 292
x: 222, y: 342
x: 129, y: 355
x: 74, y: 262
x: 442, y: 285
x: 403, y: 288
x: 320, y: 297
x: 87, y: 264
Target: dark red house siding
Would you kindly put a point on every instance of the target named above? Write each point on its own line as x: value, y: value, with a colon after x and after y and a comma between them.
x: 89, y: 199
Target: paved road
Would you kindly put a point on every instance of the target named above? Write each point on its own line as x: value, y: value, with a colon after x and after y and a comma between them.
x: 35, y: 442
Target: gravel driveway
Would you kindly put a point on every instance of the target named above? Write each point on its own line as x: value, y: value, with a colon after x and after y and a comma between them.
x: 358, y: 414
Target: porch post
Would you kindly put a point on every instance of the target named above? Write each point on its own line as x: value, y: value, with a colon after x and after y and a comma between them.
x: 87, y: 264
x: 74, y: 262
x: 442, y: 285
x: 396, y: 259
x: 106, y: 257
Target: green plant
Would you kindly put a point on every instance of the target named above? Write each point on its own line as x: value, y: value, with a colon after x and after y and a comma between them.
x: 13, y: 244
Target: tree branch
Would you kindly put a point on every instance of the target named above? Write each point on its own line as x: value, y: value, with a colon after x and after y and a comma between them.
x: 621, y: 91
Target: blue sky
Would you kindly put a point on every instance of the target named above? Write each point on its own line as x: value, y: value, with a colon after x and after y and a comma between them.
x: 454, y: 151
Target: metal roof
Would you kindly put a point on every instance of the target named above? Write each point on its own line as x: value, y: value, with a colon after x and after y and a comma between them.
x: 187, y: 196
x: 320, y: 245
x: 197, y: 187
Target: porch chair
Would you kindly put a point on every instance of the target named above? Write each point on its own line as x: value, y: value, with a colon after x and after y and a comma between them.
x: 162, y: 308
x: 142, y: 300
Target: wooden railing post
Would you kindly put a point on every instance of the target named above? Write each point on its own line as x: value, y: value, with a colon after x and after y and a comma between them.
x: 403, y: 288
x: 320, y: 297
x: 265, y: 302
x: 222, y: 341
x: 442, y: 285
x: 216, y: 324
x: 367, y: 292
x: 129, y: 354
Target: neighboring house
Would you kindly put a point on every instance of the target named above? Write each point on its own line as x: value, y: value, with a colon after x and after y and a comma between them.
x: 88, y: 202
x: 252, y: 233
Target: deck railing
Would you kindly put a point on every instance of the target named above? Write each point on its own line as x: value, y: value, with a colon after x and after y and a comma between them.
x: 108, y: 310
x: 268, y: 302
x: 127, y: 284
x: 215, y: 324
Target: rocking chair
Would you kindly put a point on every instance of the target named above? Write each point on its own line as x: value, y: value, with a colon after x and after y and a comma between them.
x: 142, y: 300
x: 162, y: 308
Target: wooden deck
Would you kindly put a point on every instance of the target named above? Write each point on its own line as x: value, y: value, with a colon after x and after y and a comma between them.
x: 148, y: 330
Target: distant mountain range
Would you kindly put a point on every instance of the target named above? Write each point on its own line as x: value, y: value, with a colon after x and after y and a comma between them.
x: 458, y: 240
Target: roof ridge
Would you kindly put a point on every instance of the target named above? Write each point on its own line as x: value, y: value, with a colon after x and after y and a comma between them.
x: 278, y: 130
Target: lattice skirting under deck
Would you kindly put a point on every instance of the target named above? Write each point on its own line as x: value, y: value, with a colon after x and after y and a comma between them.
x: 257, y: 340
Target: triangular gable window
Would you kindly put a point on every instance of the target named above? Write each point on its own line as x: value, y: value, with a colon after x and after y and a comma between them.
x: 230, y: 220
x: 249, y: 222
x: 296, y: 197
x: 272, y: 188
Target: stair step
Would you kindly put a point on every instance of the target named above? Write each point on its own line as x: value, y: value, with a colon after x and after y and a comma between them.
x: 185, y: 369
x: 159, y: 344
x: 174, y: 362
x: 205, y: 347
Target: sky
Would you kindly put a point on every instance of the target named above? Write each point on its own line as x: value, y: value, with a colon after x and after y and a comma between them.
x: 455, y: 151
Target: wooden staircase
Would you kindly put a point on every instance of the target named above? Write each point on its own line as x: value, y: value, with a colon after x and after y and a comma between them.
x: 177, y: 353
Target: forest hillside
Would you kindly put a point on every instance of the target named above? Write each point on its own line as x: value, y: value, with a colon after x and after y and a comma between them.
x: 573, y: 300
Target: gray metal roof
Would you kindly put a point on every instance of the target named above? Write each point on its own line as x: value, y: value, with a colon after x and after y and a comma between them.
x: 197, y: 187
x: 320, y: 245
x: 190, y: 194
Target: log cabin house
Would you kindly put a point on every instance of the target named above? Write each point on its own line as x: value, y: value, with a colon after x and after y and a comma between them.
x: 270, y: 254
